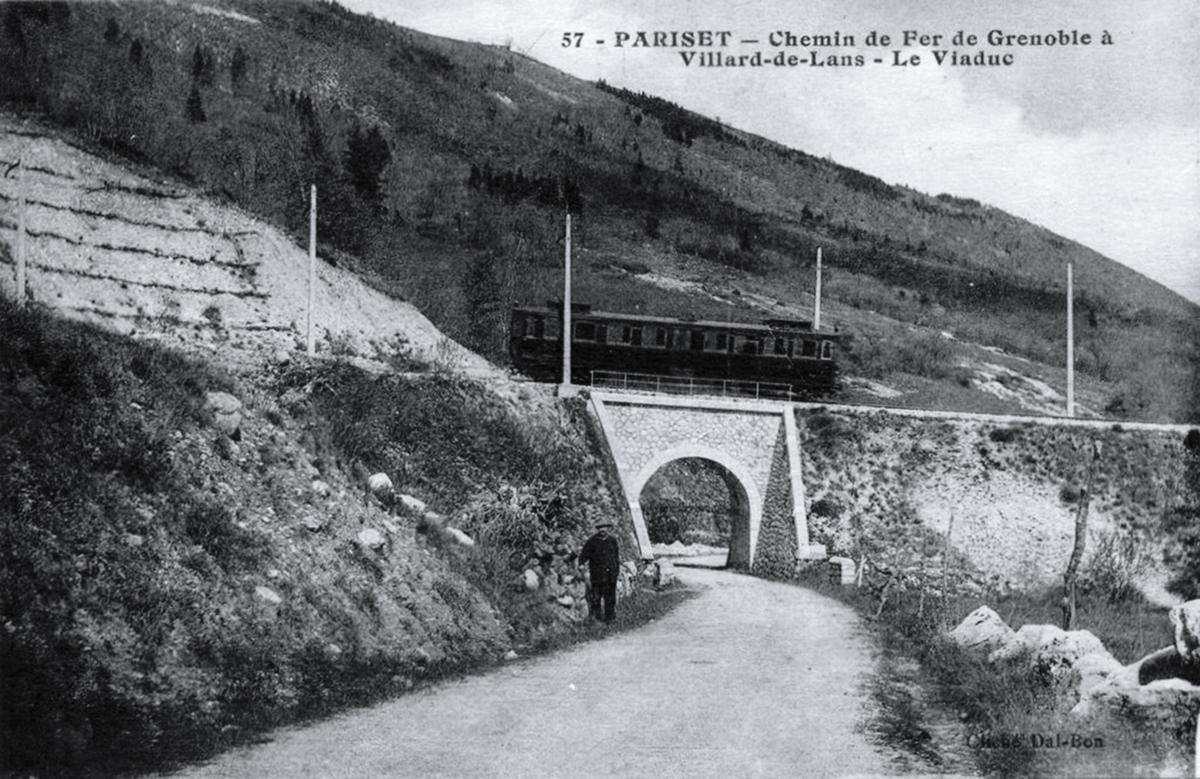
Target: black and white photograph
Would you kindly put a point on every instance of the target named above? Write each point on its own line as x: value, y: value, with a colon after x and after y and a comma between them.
x: 474, y: 388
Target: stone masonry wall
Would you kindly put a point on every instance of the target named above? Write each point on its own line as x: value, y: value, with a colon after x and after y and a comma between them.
x: 776, y: 554
x: 647, y: 432
x: 1012, y: 489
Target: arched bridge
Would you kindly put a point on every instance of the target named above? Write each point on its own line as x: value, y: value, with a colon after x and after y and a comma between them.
x: 754, y: 443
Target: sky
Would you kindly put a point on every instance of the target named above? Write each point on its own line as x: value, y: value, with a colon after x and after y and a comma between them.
x: 1098, y: 142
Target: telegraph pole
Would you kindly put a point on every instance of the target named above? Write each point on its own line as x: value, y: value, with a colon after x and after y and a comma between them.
x: 312, y: 267
x: 1070, y: 344
x: 817, y: 304
x: 566, y: 329
x: 21, y: 261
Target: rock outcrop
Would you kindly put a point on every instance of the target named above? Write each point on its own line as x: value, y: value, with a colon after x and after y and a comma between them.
x: 982, y: 632
x: 1160, y: 690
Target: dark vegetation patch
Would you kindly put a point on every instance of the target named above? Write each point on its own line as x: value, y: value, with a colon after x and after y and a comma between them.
x: 157, y: 606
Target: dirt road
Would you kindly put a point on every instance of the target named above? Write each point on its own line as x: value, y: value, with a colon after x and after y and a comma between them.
x: 751, y: 678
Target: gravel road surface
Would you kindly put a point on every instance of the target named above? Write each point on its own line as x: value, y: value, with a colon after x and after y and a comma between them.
x: 751, y: 678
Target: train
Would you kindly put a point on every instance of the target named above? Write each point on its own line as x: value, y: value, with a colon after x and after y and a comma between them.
x: 786, y: 356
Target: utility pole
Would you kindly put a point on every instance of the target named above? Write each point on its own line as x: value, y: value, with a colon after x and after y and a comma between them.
x: 817, y: 304
x: 312, y: 267
x: 1070, y: 344
x: 566, y: 329
x: 19, y: 176
x: 20, y: 236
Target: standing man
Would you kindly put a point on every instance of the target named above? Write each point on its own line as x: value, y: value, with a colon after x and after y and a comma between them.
x: 603, y: 559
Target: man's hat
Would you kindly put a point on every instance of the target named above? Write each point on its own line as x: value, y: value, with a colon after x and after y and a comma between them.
x: 604, y: 523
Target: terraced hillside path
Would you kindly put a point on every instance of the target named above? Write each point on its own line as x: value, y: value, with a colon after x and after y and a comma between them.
x: 750, y: 678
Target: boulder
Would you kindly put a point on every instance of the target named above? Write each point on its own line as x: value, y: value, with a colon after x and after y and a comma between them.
x: 1024, y: 642
x: 380, y: 485
x: 1060, y: 654
x: 321, y: 487
x: 371, y: 538
x: 1051, y: 650
x: 225, y: 412
x: 532, y: 581
x: 1185, y: 621
x: 1093, y: 671
x: 415, y: 505
x: 664, y: 573
x: 1166, y: 705
x: 459, y: 537
x: 1167, y: 663
x: 268, y: 595
x: 982, y: 631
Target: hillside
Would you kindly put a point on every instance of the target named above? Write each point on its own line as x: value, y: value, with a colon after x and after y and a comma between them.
x: 445, y: 167
x: 191, y: 555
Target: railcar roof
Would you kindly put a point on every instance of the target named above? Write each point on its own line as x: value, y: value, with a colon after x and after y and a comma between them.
x: 776, y: 324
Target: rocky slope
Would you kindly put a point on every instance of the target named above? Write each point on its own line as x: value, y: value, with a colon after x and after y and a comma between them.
x: 191, y: 553
x: 149, y: 257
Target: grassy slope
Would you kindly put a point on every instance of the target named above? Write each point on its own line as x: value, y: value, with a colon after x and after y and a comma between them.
x: 487, y: 147
x: 167, y: 590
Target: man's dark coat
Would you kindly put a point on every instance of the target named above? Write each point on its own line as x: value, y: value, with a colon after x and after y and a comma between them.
x: 603, y: 557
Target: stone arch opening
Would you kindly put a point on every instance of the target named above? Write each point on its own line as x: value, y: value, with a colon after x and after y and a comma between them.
x: 698, y: 495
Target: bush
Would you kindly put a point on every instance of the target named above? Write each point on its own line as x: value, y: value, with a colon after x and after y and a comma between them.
x: 1118, y: 561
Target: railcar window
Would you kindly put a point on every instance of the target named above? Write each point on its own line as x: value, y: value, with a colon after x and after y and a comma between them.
x: 780, y: 346
x: 660, y: 336
x: 601, y: 334
x: 826, y: 350
x: 636, y: 336
x: 809, y: 349
x: 751, y: 346
x: 698, y: 340
x: 722, y: 342
x: 626, y: 334
x: 585, y: 331
x: 538, y: 329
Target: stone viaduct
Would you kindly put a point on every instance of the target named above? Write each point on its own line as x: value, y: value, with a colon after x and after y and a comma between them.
x: 754, y: 442
x: 1003, y: 483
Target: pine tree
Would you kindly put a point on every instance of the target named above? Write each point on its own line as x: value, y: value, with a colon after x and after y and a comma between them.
x: 195, y: 106
x: 367, y: 156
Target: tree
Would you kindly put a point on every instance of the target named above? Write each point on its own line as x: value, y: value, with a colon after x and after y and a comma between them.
x: 1182, y: 523
x: 367, y: 156
x: 195, y: 106
x: 237, y: 70
x: 203, y: 67
x: 483, y: 288
x: 1072, y: 573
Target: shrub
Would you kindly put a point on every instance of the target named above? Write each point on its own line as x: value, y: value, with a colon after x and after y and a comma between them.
x: 1117, y: 563
x: 232, y: 546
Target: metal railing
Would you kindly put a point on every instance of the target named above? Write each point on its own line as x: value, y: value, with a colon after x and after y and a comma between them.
x: 687, y: 385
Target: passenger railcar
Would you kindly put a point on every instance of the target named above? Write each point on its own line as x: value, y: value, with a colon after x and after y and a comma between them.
x: 778, y: 351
